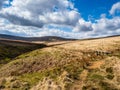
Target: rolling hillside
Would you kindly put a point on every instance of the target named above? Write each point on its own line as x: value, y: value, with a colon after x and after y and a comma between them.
x: 45, y: 38
x: 75, y: 65
x: 10, y: 49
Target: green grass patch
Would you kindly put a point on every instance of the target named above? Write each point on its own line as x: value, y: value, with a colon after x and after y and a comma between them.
x: 73, y: 70
x: 34, y: 78
x: 96, y: 77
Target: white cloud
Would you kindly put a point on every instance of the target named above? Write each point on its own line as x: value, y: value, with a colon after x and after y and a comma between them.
x: 1, y: 2
x: 102, y: 27
x: 83, y: 26
x: 31, y: 18
x: 115, y: 8
x: 107, y: 24
x: 69, y: 18
x: 106, y: 27
x: 9, y: 28
x: 41, y: 12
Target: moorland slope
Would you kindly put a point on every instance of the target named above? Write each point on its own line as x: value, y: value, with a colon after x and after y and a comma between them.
x: 75, y: 65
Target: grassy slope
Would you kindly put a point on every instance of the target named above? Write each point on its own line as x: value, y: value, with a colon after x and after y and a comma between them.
x: 11, y: 49
x: 78, y: 65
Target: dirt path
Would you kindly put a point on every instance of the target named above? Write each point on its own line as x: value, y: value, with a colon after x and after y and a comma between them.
x: 79, y: 84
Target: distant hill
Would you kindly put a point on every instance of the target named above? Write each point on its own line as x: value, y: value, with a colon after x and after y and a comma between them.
x: 4, y: 36
x: 45, y: 38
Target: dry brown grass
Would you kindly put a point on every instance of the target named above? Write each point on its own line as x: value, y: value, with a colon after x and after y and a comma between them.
x: 78, y: 58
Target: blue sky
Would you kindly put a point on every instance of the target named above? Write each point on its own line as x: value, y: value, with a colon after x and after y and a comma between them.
x: 64, y: 18
x: 94, y: 8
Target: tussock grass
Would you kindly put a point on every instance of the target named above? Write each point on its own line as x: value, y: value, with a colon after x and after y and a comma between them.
x: 85, y: 67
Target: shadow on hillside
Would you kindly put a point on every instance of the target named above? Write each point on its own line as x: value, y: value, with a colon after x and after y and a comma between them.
x: 9, y: 51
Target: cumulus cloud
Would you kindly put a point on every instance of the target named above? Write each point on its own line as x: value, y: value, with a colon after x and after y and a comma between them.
x: 31, y: 18
x: 102, y: 27
x: 41, y: 12
x: 63, y: 18
x: 83, y: 26
x: 1, y: 2
x: 107, y: 24
x: 21, y: 21
x: 8, y: 28
x: 115, y: 8
x: 106, y: 27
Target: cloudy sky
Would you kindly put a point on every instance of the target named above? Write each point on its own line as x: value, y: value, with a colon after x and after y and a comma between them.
x: 64, y: 18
